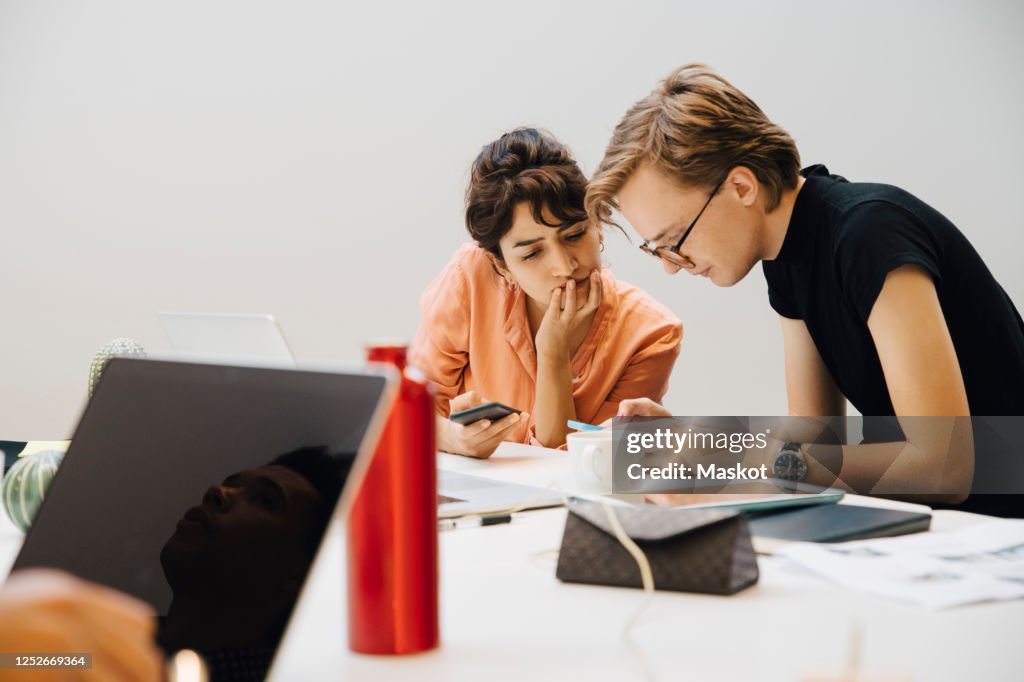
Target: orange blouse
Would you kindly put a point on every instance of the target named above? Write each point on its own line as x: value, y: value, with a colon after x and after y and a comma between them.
x: 474, y: 336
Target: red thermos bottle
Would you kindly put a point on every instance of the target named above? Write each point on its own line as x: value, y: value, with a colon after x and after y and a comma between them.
x: 392, y: 528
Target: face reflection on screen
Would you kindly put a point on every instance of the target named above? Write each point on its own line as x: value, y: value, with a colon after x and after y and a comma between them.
x: 236, y: 560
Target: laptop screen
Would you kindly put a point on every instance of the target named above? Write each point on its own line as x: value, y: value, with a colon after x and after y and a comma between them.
x: 229, y: 338
x: 205, y: 491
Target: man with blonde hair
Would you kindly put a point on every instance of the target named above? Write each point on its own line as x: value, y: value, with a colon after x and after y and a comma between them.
x: 882, y: 300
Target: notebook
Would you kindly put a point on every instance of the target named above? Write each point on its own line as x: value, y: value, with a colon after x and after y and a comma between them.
x: 832, y: 523
x: 461, y: 494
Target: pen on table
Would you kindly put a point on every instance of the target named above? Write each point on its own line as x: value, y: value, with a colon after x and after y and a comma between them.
x: 582, y: 426
x: 475, y: 521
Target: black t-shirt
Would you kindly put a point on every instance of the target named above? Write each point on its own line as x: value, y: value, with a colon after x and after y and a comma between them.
x: 843, y: 239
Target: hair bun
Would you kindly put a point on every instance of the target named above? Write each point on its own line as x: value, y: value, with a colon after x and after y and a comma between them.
x: 525, y: 165
x: 520, y: 149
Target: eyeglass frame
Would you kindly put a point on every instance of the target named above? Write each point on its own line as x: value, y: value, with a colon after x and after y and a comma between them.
x: 672, y: 254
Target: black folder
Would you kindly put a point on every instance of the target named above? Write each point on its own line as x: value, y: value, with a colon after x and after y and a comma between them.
x: 837, y: 523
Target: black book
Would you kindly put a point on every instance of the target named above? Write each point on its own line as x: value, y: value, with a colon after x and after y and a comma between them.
x: 833, y: 523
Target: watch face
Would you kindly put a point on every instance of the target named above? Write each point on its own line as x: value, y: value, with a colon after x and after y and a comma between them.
x: 789, y: 467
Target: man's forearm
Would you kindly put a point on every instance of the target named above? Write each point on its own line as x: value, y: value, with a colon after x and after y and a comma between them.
x: 939, y: 468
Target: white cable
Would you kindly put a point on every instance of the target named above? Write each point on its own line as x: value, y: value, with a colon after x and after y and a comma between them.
x: 646, y: 579
x: 646, y: 575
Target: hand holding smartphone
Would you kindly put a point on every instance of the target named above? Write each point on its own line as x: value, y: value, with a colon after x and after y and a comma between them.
x: 477, y: 426
x: 492, y: 411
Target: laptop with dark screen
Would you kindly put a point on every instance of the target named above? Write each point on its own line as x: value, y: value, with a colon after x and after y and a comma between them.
x: 205, y: 490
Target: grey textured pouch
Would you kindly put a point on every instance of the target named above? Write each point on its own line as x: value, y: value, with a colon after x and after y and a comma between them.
x: 689, y: 550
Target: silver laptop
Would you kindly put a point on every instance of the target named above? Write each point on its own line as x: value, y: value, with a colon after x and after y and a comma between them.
x: 250, y: 339
x: 460, y: 494
x: 205, y: 490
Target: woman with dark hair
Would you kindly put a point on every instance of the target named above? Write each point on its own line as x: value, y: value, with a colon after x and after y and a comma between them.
x: 527, y: 316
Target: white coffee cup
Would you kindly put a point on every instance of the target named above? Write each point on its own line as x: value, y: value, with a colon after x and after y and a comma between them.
x: 590, y: 453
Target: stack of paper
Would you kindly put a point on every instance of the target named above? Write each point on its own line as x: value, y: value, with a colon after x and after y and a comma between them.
x: 937, y: 570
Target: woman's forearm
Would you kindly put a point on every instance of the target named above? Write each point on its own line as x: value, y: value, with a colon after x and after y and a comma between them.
x: 445, y: 442
x: 553, y: 404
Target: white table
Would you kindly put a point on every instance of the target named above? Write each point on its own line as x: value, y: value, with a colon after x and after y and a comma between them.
x: 504, y: 616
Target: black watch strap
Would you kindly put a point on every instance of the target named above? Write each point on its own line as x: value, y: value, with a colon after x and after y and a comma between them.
x: 790, y: 464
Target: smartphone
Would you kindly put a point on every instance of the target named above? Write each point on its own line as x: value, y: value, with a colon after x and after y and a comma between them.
x: 490, y: 411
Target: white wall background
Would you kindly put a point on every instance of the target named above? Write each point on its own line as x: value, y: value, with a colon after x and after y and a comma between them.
x: 309, y: 158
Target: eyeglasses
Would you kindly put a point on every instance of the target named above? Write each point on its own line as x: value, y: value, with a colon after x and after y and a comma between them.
x: 671, y: 253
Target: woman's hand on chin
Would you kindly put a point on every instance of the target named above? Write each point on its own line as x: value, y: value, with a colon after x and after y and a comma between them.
x: 479, y: 439
x: 565, y: 319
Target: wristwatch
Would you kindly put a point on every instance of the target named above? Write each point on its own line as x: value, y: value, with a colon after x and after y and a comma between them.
x: 789, y: 464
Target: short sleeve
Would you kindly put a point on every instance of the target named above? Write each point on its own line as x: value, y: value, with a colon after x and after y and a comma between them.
x: 441, y: 346
x: 780, y: 291
x: 647, y: 374
x: 876, y: 238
